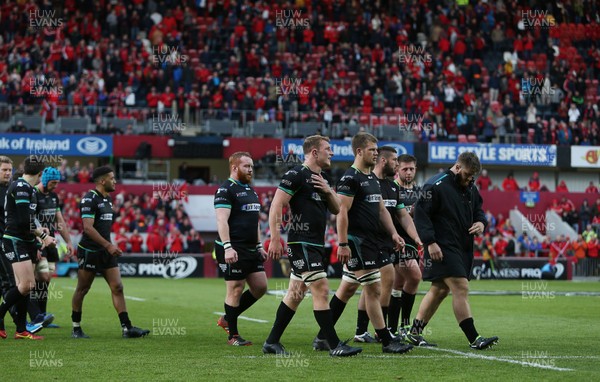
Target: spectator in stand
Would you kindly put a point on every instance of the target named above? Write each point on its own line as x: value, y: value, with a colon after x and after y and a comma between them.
x: 155, y: 242
x: 534, y: 182
x: 121, y: 239
x: 592, y: 248
x: 562, y: 187
x: 510, y: 183
x: 585, y: 214
x: 174, y: 240
x: 491, y: 220
x: 559, y: 247
x: 484, y: 181
x: 589, y: 233
x: 534, y: 248
x: 195, y: 243
x: 556, y: 207
x: 500, y: 245
x: 506, y: 229
x: 135, y: 242
x: 591, y: 189
x: 579, y: 247
x: 567, y: 205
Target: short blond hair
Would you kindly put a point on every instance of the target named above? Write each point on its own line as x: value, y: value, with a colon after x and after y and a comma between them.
x: 313, y: 142
x: 361, y: 140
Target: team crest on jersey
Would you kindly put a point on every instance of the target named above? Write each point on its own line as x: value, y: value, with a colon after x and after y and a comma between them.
x: 316, y: 196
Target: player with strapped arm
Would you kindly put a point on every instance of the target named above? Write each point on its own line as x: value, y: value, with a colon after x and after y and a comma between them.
x: 96, y: 253
x: 20, y: 245
x: 447, y: 216
x: 306, y: 191
x: 238, y: 248
x: 406, y: 264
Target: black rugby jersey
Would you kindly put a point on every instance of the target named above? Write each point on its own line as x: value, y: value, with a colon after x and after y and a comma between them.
x: 363, y: 217
x: 47, y: 206
x: 308, y: 217
x: 98, y: 207
x: 3, y: 189
x: 391, y: 200
x: 244, y: 204
x: 408, y: 197
x: 19, y: 209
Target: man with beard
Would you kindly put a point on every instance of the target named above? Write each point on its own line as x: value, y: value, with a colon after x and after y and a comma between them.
x: 385, y: 169
x: 361, y: 218
x: 96, y: 253
x: 306, y: 191
x: 238, y: 248
x: 408, y: 273
x: 447, y: 216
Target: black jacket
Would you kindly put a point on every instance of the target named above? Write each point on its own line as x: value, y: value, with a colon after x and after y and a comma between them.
x: 445, y: 212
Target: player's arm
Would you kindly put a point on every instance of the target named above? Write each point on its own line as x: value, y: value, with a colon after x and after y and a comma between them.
x: 424, y: 208
x: 26, y: 216
x: 223, y: 203
x: 89, y: 209
x: 479, y: 220
x: 343, y: 252
x: 64, y: 231
x: 259, y: 246
x: 407, y: 223
x: 280, y: 200
x: 388, y: 224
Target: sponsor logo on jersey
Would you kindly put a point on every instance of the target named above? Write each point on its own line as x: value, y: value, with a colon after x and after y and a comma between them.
x: 364, y: 184
x: 221, y: 190
x: 373, y: 198
x: 298, y: 263
x: 353, y: 262
x: 240, y: 194
x: 390, y: 202
x: 101, y: 205
x: 286, y: 182
x: 10, y: 255
x: 108, y: 216
x: 22, y: 193
x: 251, y: 207
x: 316, y: 196
x: 33, y: 206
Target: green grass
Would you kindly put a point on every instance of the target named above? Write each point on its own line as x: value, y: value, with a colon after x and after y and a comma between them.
x: 192, y: 347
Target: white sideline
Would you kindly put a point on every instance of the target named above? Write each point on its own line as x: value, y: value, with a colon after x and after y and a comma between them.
x: 508, y: 360
x: 133, y: 298
x: 245, y: 318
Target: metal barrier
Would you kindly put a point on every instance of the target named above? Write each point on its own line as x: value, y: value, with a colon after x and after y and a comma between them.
x: 587, y: 267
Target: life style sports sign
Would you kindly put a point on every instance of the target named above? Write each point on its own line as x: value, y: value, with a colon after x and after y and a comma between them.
x: 495, y: 154
x: 342, y: 149
x: 54, y: 145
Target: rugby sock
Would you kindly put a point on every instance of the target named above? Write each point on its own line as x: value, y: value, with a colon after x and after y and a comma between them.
x: 21, y: 319
x: 408, y: 301
x: 362, y: 322
x: 43, y: 299
x: 337, y: 307
x: 124, y: 318
x: 468, y: 327
x: 417, y: 327
x: 384, y: 336
x: 282, y: 319
x: 325, y: 321
x: 231, y: 316
x: 246, y: 301
x: 384, y: 310
x: 394, y: 311
x: 76, y: 318
x: 10, y: 299
x: 33, y: 308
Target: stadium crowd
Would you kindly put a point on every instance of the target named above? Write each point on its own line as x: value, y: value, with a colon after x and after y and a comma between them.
x: 492, y: 69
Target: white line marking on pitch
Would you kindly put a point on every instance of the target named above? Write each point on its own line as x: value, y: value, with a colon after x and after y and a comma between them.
x: 508, y: 360
x: 246, y: 318
x: 133, y: 298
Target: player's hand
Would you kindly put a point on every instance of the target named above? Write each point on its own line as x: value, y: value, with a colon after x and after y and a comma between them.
x: 39, y: 255
x: 113, y: 250
x: 70, y: 249
x: 231, y: 256
x: 420, y: 247
x: 398, y: 243
x: 343, y: 254
x: 321, y: 184
x: 435, y: 252
x: 275, y: 249
x: 476, y: 228
x: 263, y: 255
x: 49, y: 241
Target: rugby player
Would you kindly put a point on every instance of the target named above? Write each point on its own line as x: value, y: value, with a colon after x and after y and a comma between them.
x: 238, y: 247
x: 96, y: 254
x: 306, y: 191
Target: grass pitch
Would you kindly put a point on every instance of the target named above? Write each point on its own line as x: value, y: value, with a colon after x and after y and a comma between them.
x: 544, y: 335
